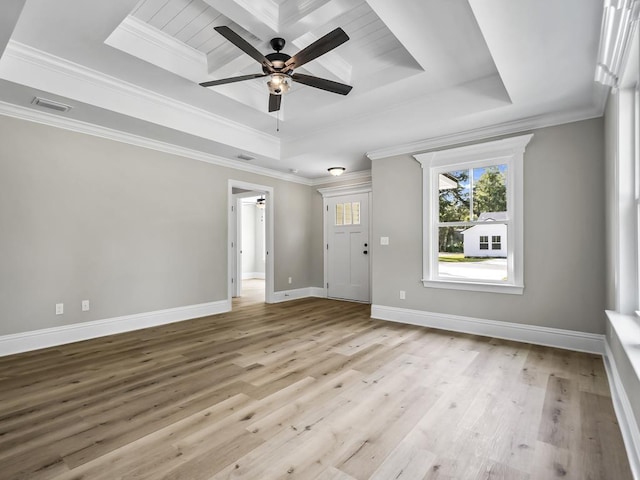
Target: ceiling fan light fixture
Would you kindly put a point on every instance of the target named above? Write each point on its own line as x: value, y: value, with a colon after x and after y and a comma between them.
x: 279, y: 67
x: 336, y: 171
x: 279, y: 83
x: 261, y: 203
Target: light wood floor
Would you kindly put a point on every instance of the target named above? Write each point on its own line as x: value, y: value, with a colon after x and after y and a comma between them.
x: 252, y: 292
x: 308, y: 389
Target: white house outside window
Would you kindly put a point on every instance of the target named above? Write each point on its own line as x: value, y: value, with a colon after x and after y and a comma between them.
x: 472, y: 216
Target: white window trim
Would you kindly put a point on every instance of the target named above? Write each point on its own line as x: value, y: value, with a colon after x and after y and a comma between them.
x: 636, y: 167
x: 508, y: 151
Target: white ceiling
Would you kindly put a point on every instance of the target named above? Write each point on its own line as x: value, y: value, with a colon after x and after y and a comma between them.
x: 420, y: 70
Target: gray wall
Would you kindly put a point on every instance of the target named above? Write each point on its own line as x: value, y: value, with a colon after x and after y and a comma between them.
x: 293, y: 237
x: 133, y: 230
x: 564, y: 264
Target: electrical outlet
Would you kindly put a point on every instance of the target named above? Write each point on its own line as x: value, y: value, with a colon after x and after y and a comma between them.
x: 85, y: 305
x: 290, y: 280
x: 403, y: 295
x: 59, y: 308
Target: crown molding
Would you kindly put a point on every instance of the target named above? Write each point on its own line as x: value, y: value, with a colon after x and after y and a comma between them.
x: 517, y: 126
x: 79, y: 126
x: 353, y: 188
x: 345, y: 177
x: 22, y: 64
x: 495, y: 149
x: 619, y: 22
x: 138, y: 38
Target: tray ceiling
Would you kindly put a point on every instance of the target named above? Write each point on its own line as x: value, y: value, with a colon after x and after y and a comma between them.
x: 179, y: 36
x: 420, y: 69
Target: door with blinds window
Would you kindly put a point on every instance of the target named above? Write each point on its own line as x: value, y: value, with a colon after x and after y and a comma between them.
x: 348, y: 247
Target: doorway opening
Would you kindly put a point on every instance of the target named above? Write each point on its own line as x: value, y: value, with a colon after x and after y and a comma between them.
x: 250, y: 240
x: 252, y: 257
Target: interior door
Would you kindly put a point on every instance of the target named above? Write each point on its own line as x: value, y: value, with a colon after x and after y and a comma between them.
x: 348, y: 264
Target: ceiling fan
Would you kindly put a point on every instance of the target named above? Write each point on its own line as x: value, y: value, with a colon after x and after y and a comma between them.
x: 279, y: 66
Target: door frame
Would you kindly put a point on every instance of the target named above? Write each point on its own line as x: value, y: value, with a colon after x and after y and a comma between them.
x: 338, y: 191
x: 232, y: 233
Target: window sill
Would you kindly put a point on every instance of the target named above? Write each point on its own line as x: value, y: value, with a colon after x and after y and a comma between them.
x: 627, y: 329
x: 475, y: 286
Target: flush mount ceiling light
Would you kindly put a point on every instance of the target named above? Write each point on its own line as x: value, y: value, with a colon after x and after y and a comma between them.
x: 336, y: 171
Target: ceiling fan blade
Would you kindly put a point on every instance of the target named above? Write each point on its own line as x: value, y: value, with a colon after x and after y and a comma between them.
x: 321, y: 46
x: 322, y: 83
x: 224, y: 81
x: 274, y: 102
x: 243, y: 45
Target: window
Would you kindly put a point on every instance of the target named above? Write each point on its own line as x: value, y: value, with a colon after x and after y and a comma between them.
x: 347, y: 213
x: 472, y: 216
x: 340, y: 214
x: 624, y: 180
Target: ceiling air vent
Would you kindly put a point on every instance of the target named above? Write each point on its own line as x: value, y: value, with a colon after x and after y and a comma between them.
x: 244, y: 156
x: 50, y: 104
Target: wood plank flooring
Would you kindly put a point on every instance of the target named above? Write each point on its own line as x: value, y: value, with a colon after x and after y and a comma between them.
x: 308, y: 389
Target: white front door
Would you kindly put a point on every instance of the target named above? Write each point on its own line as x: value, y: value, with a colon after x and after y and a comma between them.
x: 348, y: 247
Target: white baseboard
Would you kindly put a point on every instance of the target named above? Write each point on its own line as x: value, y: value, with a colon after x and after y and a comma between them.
x: 318, y: 292
x: 250, y: 275
x: 286, y: 295
x: 51, y: 337
x: 624, y: 413
x: 550, y: 337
